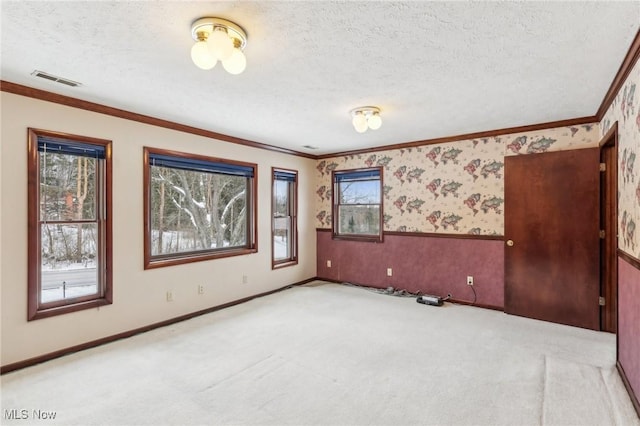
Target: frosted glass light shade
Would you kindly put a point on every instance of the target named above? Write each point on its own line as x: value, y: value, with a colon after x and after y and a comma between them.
x: 374, y: 121
x: 201, y: 56
x: 366, y: 117
x: 236, y: 63
x: 220, y: 44
x: 221, y: 40
x: 359, y: 122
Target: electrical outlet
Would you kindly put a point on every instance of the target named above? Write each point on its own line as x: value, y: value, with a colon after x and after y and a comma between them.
x: 169, y: 296
x: 328, y: 264
x: 389, y: 272
x: 469, y: 280
x: 245, y: 279
x: 200, y: 289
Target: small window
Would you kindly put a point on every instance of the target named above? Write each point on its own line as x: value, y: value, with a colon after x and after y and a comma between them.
x: 197, y: 208
x: 357, y: 204
x: 69, y: 212
x: 284, y: 206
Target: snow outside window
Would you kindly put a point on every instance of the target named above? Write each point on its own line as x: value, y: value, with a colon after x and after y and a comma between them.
x: 197, y: 208
x: 358, y: 204
x: 70, y: 227
x: 284, y: 218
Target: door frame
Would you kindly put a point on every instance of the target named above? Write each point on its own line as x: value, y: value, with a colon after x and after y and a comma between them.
x: 609, y: 223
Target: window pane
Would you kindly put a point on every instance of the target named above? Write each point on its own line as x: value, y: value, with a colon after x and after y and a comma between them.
x: 281, y: 198
x: 360, y: 192
x: 67, y: 187
x: 359, y: 219
x: 69, y: 257
x: 281, y: 238
x: 69, y: 210
x: 284, y: 210
x: 194, y: 210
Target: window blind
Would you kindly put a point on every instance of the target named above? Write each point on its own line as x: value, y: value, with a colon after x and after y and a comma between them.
x: 282, y: 175
x: 200, y: 165
x: 53, y: 145
x: 371, y: 174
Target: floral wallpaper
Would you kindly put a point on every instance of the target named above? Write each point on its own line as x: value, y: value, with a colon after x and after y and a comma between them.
x: 450, y: 188
x: 625, y: 109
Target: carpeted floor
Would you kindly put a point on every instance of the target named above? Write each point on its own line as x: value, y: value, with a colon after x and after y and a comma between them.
x: 328, y: 354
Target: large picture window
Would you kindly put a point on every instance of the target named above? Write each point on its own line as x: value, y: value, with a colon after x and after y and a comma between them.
x: 197, y: 208
x: 284, y: 206
x: 69, y: 212
x: 357, y: 204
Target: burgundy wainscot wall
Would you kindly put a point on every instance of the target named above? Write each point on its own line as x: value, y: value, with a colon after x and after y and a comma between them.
x: 629, y: 322
x: 431, y: 265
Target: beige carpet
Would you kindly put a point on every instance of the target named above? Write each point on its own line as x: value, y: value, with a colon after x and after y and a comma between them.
x: 334, y: 355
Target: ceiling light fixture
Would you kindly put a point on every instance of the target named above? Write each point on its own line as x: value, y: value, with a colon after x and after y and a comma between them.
x: 218, y: 40
x: 364, y: 118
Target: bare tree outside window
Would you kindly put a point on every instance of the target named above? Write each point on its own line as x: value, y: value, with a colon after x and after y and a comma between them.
x: 69, y: 204
x: 69, y: 227
x: 358, y: 204
x: 197, y: 208
x: 196, y: 211
x: 284, y: 218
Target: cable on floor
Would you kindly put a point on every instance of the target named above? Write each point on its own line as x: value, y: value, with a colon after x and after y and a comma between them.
x: 404, y: 293
x: 388, y: 291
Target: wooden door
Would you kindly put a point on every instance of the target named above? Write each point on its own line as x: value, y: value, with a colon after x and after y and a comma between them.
x: 552, y: 219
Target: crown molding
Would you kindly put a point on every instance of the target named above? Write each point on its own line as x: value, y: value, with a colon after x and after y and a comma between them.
x: 627, y: 65
x: 467, y: 136
x: 43, y: 95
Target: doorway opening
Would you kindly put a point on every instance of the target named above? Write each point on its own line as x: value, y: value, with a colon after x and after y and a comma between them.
x: 609, y: 230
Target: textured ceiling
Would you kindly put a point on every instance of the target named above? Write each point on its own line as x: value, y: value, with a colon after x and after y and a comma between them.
x: 435, y: 68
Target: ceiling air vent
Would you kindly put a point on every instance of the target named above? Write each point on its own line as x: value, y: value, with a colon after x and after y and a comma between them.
x: 310, y: 147
x: 60, y: 80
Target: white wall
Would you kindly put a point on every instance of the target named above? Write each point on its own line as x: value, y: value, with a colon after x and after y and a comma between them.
x: 139, y: 296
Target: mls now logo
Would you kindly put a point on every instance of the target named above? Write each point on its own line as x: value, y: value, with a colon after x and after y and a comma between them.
x: 17, y: 414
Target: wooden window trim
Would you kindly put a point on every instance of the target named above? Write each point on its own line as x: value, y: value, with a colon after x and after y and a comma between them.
x: 151, y: 262
x: 293, y: 260
x: 35, y: 309
x: 379, y: 238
